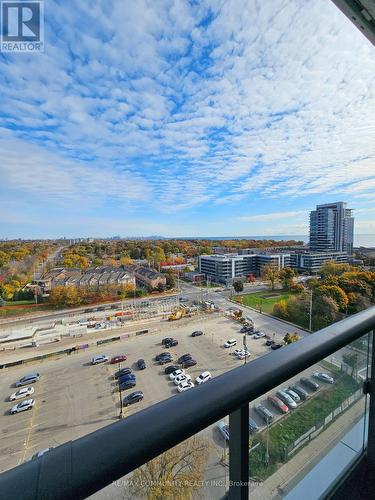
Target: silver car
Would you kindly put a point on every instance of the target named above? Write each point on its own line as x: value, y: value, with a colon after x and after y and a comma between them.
x: 23, y: 406
x: 28, y: 379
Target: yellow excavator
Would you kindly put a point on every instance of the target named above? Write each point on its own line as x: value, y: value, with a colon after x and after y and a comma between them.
x: 177, y: 313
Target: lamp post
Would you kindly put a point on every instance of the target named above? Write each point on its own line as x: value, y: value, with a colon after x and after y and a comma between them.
x: 245, y: 347
x: 121, y: 415
x: 310, y: 315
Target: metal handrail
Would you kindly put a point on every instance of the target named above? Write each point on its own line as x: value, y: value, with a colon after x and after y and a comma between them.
x: 79, y: 468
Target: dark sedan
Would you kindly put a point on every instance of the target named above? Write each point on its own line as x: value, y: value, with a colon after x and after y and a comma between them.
x: 171, y: 343
x: 171, y: 368
x: 122, y: 372
x: 184, y: 357
x: 276, y: 346
x: 162, y: 355
x: 141, y: 364
x: 188, y: 362
x: 133, y: 397
x: 198, y: 333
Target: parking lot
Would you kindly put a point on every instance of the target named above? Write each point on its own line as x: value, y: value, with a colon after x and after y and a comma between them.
x: 74, y: 397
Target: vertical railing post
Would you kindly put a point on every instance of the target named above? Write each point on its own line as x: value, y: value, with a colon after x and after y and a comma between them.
x: 371, y: 417
x: 239, y: 454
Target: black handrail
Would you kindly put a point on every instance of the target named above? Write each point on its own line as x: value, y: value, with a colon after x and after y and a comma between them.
x: 79, y: 468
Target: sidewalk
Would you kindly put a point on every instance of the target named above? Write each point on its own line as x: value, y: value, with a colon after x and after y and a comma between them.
x: 285, y: 478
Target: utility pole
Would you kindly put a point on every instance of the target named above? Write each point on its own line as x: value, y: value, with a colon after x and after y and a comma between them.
x: 245, y: 348
x: 310, y: 315
x: 267, y: 456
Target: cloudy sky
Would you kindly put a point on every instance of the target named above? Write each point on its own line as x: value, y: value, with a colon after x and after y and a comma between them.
x: 187, y: 118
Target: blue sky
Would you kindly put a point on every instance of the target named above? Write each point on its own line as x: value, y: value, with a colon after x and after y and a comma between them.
x: 186, y: 118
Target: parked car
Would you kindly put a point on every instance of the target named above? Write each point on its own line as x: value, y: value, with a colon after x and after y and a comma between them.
x: 185, y: 386
x: 184, y: 357
x: 166, y: 340
x: 287, y: 399
x: 230, y: 343
x: 292, y: 394
x: 276, y: 346
x: 188, y: 363
x: 122, y: 372
x: 224, y: 429
x: 324, y: 377
x: 197, y: 333
x: 278, y: 404
x: 181, y: 378
x: 127, y: 384
x: 264, y: 413
x: 128, y: 376
x: 141, y: 364
x: 259, y: 335
x: 176, y: 373
x: 309, y: 383
x: 25, y: 405
x: 165, y: 359
x: 171, y: 343
x: 101, y: 358
x: 300, y: 391
x: 133, y: 397
x: 247, y: 329
x: 171, y: 368
x: 269, y: 342
x: 162, y: 354
x: 253, y: 427
x: 28, y: 379
x: 244, y: 353
x: 118, y: 359
x: 203, y: 377
x: 22, y: 393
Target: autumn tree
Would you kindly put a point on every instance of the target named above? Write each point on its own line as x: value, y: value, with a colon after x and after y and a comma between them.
x: 271, y: 273
x: 170, y: 280
x: 289, y: 338
x: 325, y: 311
x: 4, y: 258
x: 175, y: 474
x: 336, y: 293
x: 287, y: 277
x: 332, y: 268
x: 280, y: 309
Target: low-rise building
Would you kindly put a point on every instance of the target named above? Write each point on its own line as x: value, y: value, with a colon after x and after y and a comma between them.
x: 149, y: 277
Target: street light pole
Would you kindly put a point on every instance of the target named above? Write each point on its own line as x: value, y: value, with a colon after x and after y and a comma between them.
x: 120, y: 393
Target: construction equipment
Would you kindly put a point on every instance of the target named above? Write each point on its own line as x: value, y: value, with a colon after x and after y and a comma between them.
x: 178, y: 313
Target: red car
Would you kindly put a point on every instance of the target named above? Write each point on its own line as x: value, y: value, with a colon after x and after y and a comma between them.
x: 118, y: 359
x: 277, y: 403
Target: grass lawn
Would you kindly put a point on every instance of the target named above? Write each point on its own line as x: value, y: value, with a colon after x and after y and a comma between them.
x: 297, y: 423
x: 264, y: 300
x: 19, y: 302
x: 11, y: 312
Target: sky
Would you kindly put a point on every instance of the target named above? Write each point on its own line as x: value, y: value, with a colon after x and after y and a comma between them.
x: 186, y: 118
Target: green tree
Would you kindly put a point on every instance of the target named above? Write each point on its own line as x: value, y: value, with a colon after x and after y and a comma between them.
x: 170, y: 280
x: 332, y: 268
x: 238, y: 286
x: 351, y: 359
x: 325, y: 311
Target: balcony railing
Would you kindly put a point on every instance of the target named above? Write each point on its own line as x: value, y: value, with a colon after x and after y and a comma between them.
x: 79, y: 468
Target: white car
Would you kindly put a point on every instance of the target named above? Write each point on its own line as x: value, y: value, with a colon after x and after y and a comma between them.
x: 23, y: 406
x: 259, y: 335
x: 185, y: 386
x: 236, y: 352
x: 176, y: 373
x: 243, y: 354
x: 203, y: 377
x: 292, y: 394
x: 224, y: 429
x: 182, y: 378
x: 230, y: 343
x: 102, y: 358
x: 324, y: 377
x: 287, y: 399
x: 40, y: 453
x: 22, y: 393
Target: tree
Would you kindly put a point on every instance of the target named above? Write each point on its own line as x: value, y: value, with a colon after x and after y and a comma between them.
x: 4, y: 258
x: 161, y: 287
x: 271, y: 274
x: 332, y: 268
x: 357, y: 302
x: 2, y: 302
x: 336, y: 293
x: 238, y: 286
x: 178, y: 473
x: 170, y: 280
x: 290, y: 338
x: 351, y: 359
x: 280, y: 309
x: 287, y: 276
x: 325, y: 311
